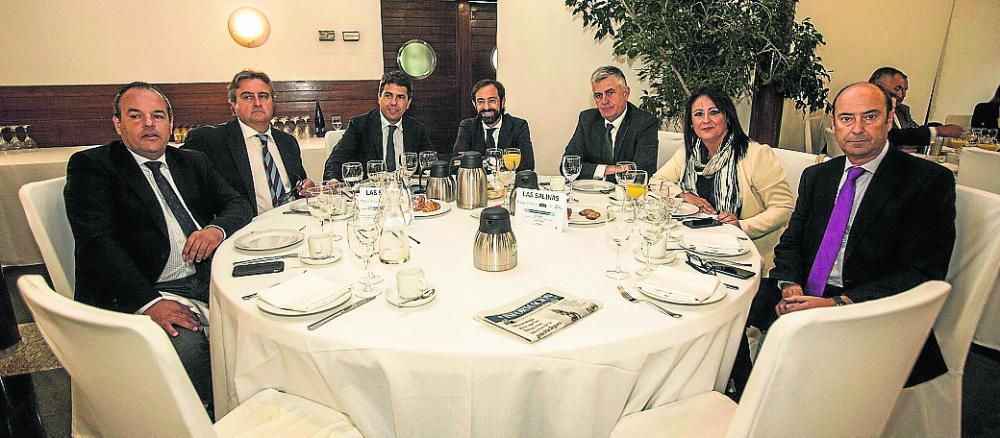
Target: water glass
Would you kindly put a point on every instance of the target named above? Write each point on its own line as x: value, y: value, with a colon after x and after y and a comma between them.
x: 363, y: 233
x: 352, y: 173
x: 376, y: 170
x: 620, y: 224
x: 571, y: 168
x: 651, y: 219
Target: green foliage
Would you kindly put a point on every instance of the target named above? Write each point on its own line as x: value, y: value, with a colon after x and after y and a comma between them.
x: 686, y: 44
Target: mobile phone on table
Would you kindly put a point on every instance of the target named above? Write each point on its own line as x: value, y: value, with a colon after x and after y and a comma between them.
x: 702, y: 223
x: 730, y: 270
x: 258, y: 268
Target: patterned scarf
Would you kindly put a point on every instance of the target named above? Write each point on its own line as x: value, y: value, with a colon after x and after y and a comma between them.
x: 721, y: 168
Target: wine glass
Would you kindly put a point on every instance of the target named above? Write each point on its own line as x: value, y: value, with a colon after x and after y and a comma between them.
x: 512, y: 158
x: 506, y: 173
x: 621, y: 222
x: 670, y: 193
x: 4, y: 144
x: 29, y: 143
x: 352, y: 173
x: 363, y: 231
x: 319, y: 204
x: 338, y: 204
x: 635, y: 186
x: 425, y: 158
x: 16, y: 144
x: 335, y: 123
x: 408, y: 162
x: 571, y: 168
x: 492, y: 160
x: 376, y: 170
x: 622, y: 168
x: 651, y: 218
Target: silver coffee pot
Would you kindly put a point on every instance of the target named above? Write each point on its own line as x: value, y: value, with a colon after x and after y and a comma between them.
x: 441, y: 185
x: 471, y: 183
x: 495, y: 248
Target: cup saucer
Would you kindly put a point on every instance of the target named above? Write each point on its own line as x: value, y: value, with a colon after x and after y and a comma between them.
x: 392, y: 297
x: 333, y: 258
x: 668, y: 258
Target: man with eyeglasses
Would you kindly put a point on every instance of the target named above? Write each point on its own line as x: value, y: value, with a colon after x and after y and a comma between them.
x: 383, y: 133
x: 493, y: 127
x: 261, y: 163
x: 615, y: 131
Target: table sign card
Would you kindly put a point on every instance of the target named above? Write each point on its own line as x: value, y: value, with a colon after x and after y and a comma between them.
x: 368, y: 198
x: 541, y: 208
x: 539, y: 314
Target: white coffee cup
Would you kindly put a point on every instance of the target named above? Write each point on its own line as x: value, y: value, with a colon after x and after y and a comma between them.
x: 411, y: 282
x: 320, y: 246
x: 557, y: 183
x: 657, y: 250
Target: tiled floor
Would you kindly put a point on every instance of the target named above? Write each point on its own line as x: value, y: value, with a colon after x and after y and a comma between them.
x: 980, y: 410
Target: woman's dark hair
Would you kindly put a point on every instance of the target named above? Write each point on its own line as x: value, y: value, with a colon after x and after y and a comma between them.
x: 725, y: 104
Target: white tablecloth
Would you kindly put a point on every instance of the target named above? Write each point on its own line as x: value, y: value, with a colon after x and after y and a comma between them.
x: 435, y: 371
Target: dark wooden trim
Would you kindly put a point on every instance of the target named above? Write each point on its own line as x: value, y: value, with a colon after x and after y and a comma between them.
x: 463, y: 29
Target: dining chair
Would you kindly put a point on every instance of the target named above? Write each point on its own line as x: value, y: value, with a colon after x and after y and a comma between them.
x: 980, y: 169
x: 794, y: 163
x: 131, y: 377
x: 963, y: 120
x: 833, y: 371
x: 934, y: 408
x: 668, y: 144
x: 332, y: 138
x: 45, y: 209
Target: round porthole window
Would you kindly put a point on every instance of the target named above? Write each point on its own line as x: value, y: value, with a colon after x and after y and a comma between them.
x: 417, y: 59
x: 493, y: 59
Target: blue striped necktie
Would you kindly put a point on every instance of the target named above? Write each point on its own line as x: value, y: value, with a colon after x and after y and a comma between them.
x: 273, y: 178
x: 172, y: 200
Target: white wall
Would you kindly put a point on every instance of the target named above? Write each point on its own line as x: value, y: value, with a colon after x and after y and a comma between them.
x: 971, y: 71
x: 55, y: 42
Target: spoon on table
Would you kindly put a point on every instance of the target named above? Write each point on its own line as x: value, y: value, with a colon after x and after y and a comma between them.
x: 427, y: 294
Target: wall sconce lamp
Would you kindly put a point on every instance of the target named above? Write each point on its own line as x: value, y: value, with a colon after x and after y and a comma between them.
x: 249, y: 27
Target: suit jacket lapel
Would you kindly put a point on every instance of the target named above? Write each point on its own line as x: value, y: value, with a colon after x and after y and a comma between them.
x: 876, y: 198
x: 184, y: 179
x: 503, y: 140
x: 135, y: 179
x: 622, y: 132
x: 238, y: 148
x: 375, y: 132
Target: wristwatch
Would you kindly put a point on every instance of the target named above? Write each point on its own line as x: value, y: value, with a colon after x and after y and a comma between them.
x: 838, y: 301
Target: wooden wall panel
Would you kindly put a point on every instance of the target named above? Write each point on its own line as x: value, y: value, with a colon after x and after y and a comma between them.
x: 71, y: 115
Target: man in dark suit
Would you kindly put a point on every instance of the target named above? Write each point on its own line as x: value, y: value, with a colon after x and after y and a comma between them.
x: 262, y: 164
x: 493, y: 127
x: 896, y: 211
x: 383, y: 133
x: 614, y: 131
x: 905, y: 131
x: 146, y: 219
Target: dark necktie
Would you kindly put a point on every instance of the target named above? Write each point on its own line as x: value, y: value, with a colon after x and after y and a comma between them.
x: 833, y: 236
x: 173, y: 201
x: 271, y: 169
x: 390, y: 150
x: 490, y: 143
x: 609, y: 144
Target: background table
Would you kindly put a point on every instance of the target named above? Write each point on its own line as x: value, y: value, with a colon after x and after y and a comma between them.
x: 435, y: 371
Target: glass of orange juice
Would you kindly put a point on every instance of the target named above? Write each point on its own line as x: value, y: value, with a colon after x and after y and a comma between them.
x: 512, y: 158
x: 636, y: 184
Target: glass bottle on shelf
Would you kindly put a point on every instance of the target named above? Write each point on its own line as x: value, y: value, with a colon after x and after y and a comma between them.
x: 320, y: 121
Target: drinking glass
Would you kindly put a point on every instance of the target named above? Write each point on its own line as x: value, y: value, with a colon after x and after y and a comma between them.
x: 425, y: 158
x: 571, y: 168
x: 493, y: 158
x: 376, y: 170
x: 506, y: 173
x: 621, y: 222
x: 636, y: 188
x: 408, y: 165
x: 651, y: 218
x: 16, y: 144
x: 335, y: 123
x: 29, y: 143
x: 363, y: 233
x: 989, y: 133
x: 670, y: 193
x: 352, y: 173
x: 338, y: 204
x: 512, y: 158
x: 320, y: 205
x: 4, y: 144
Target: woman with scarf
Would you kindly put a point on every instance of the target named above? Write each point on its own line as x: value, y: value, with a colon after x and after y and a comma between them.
x: 727, y: 175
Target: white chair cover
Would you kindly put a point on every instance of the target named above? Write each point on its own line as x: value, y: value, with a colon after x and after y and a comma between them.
x: 803, y: 383
x: 133, y: 381
x: 794, y: 163
x: 980, y: 169
x: 669, y: 144
x: 332, y: 138
x: 934, y: 408
x: 832, y: 147
x: 963, y: 120
x: 45, y: 209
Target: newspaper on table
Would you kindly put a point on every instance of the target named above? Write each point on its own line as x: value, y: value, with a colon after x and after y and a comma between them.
x: 539, y: 314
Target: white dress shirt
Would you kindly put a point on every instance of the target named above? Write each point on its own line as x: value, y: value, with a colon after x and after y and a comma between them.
x: 261, y: 187
x: 599, y: 170
x: 496, y: 133
x: 397, y: 139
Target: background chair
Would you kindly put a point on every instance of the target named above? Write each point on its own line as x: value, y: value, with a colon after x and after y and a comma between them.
x: 131, y: 376
x: 794, y: 163
x: 669, y: 144
x: 45, y: 209
x: 980, y: 169
x: 963, y: 120
x: 822, y: 372
x: 934, y: 408
x: 332, y: 138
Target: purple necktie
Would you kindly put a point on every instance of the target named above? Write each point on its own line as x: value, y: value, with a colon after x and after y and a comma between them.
x: 833, y: 236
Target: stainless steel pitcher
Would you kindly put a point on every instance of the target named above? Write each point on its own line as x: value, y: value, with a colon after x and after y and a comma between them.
x: 495, y: 248
x: 441, y: 185
x: 471, y: 183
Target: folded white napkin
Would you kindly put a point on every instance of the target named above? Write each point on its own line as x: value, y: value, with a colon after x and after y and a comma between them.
x: 304, y: 293
x: 675, y: 285
x: 709, y: 240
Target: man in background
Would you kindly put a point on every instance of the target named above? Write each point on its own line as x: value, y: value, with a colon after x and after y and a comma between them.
x: 905, y: 131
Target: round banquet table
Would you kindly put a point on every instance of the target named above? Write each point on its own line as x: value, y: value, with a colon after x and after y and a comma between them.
x: 436, y: 371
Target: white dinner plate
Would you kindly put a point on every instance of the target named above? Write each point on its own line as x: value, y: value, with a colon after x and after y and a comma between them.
x: 268, y: 240
x: 593, y: 186
x: 333, y: 303
x: 718, y: 295
x: 445, y: 207
x: 716, y: 252
x: 686, y: 209
x: 576, y: 219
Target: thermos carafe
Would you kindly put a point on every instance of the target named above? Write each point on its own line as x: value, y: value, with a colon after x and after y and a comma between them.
x: 471, y: 183
x: 495, y: 248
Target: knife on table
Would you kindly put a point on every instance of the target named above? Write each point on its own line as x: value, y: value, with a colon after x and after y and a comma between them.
x: 333, y: 315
